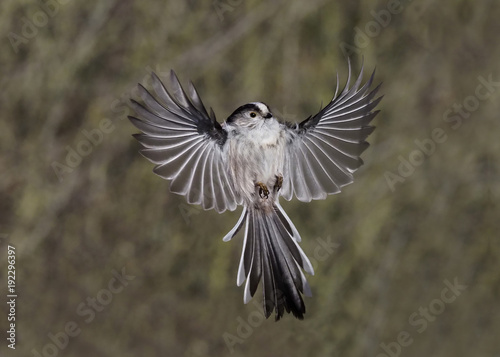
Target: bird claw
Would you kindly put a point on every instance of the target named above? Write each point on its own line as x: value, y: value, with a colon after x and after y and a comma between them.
x: 279, y: 183
x: 263, y: 191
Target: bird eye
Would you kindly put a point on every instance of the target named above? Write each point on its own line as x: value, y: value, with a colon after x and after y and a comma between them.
x: 253, y: 114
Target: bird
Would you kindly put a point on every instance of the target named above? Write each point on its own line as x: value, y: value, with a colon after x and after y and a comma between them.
x: 251, y: 160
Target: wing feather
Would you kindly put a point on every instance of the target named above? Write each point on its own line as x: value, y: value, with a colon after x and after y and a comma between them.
x: 324, y: 150
x: 186, y: 144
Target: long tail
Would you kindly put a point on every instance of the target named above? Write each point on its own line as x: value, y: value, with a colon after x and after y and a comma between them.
x: 271, y: 252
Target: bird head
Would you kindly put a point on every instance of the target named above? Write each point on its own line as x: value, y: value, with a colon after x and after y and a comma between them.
x: 250, y: 115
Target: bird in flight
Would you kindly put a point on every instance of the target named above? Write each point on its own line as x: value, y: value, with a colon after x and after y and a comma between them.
x: 251, y: 160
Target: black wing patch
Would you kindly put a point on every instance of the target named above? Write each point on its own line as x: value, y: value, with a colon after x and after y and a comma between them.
x: 324, y: 150
x: 186, y: 143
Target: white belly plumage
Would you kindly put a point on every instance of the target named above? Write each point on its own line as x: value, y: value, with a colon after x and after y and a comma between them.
x: 255, y: 157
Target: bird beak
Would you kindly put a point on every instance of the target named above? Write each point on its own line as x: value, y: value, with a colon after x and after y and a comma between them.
x: 268, y: 116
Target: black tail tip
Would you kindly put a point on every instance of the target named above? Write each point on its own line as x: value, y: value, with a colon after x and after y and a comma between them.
x: 283, y: 304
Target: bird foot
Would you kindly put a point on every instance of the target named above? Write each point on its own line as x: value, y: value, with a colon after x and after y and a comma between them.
x: 279, y: 183
x: 263, y: 191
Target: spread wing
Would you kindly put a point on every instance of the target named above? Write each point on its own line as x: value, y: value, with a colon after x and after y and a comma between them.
x: 324, y: 150
x: 185, y: 143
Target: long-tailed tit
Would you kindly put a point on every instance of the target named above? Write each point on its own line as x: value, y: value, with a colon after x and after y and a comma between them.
x: 251, y: 160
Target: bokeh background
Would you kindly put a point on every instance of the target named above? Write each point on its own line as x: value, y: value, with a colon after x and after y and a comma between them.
x: 384, y: 249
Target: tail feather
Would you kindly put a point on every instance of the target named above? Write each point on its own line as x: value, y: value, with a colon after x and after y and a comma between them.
x: 287, y: 222
x: 291, y: 255
x: 303, y: 260
x: 273, y: 286
x: 271, y: 253
x: 237, y: 227
x: 256, y: 259
x: 289, y: 273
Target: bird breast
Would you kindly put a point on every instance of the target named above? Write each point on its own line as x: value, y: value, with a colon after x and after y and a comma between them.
x: 256, y: 155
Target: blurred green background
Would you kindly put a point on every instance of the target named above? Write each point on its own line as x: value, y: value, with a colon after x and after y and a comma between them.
x: 384, y: 250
